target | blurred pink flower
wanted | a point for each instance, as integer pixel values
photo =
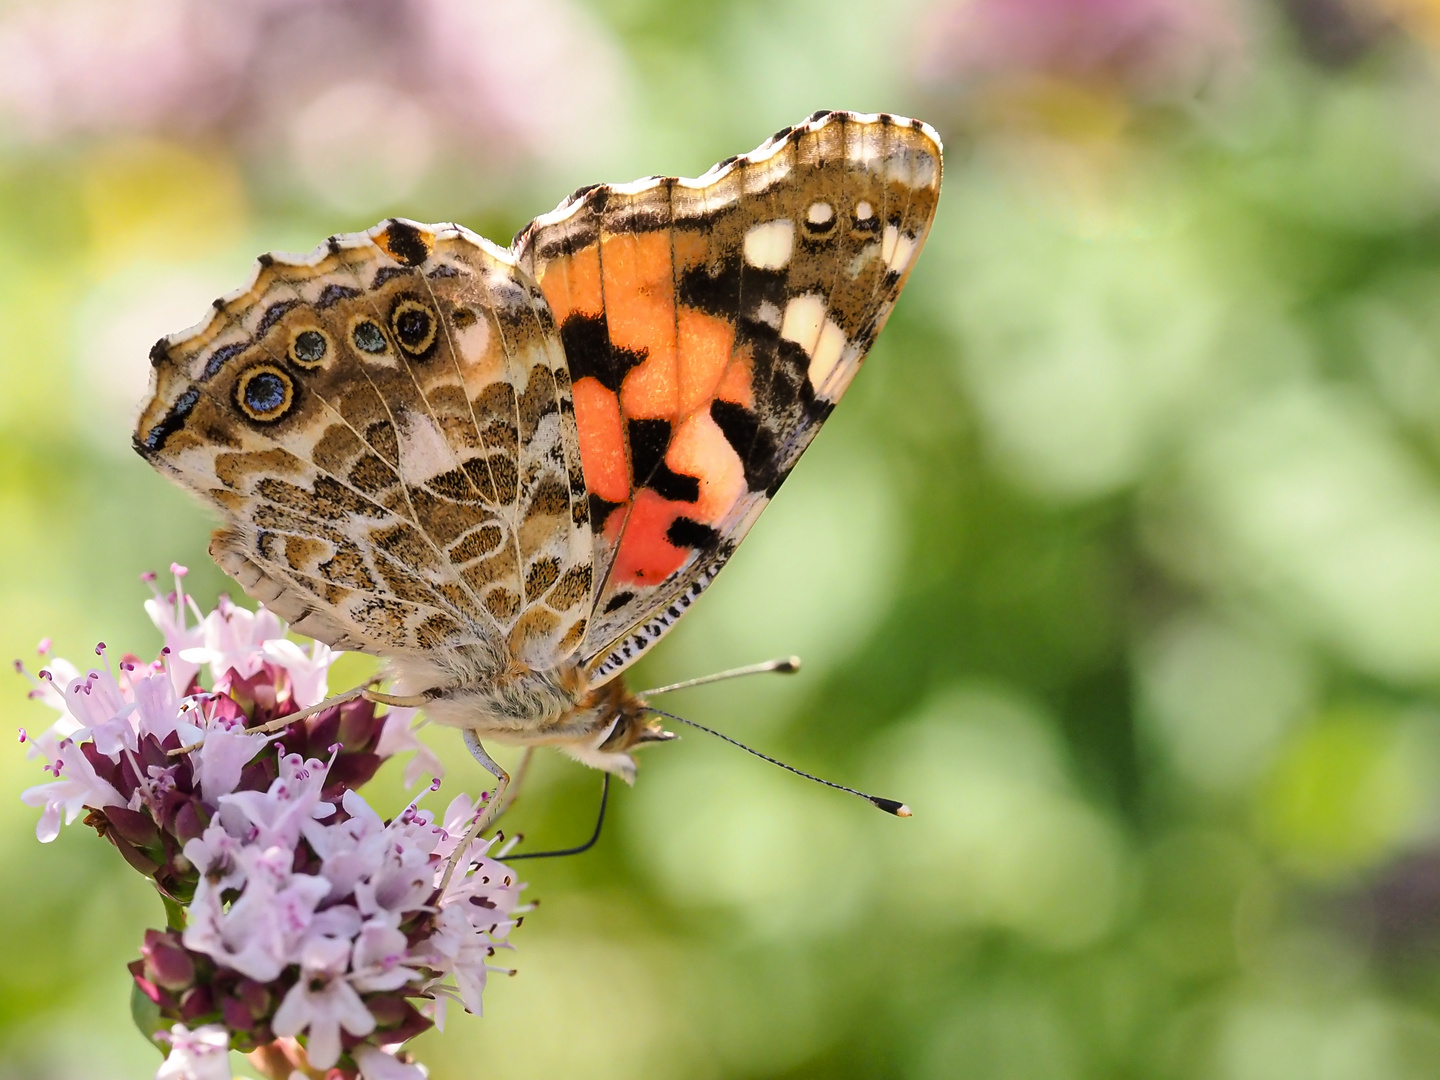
(398, 736)
(375, 1064)
(385, 84)
(202, 1054)
(1147, 48)
(309, 672)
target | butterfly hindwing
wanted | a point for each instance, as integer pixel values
(386, 428)
(710, 326)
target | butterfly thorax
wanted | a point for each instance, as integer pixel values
(511, 702)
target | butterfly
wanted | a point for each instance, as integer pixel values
(509, 472)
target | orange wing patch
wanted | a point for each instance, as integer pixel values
(602, 440)
(646, 369)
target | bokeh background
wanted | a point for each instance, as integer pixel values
(1120, 564)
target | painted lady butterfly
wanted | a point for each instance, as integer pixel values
(509, 472)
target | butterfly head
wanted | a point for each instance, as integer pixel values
(620, 721)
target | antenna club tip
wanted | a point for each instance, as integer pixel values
(891, 806)
(789, 665)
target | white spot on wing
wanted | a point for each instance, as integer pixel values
(769, 314)
(803, 316)
(767, 246)
(912, 167)
(819, 213)
(896, 248)
(473, 341)
(424, 453)
(863, 211)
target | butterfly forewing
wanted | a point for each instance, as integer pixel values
(710, 326)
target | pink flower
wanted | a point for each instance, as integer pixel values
(75, 786)
(398, 736)
(226, 748)
(459, 816)
(388, 868)
(322, 1002)
(202, 1054)
(458, 949)
(157, 703)
(280, 814)
(216, 855)
(99, 704)
(376, 1064)
(378, 962)
(476, 913)
(285, 889)
(308, 674)
(261, 932)
(168, 615)
(234, 639)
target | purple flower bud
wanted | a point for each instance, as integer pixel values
(167, 964)
(148, 576)
(137, 828)
(196, 1003)
(189, 822)
(23, 736)
(178, 570)
(43, 647)
(253, 995)
(237, 1016)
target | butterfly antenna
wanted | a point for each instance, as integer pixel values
(785, 665)
(890, 806)
(587, 845)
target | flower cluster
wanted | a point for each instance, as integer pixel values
(303, 928)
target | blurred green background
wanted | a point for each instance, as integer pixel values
(1120, 564)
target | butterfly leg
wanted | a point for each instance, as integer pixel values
(398, 701)
(394, 700)
(492, 809)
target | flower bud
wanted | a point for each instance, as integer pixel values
(237, 1016)
(167, 963)
(197, 1002)
(254, 996)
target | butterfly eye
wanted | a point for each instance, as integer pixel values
(264, 393)
(308, 348)
(414, 326)
(368, 337)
